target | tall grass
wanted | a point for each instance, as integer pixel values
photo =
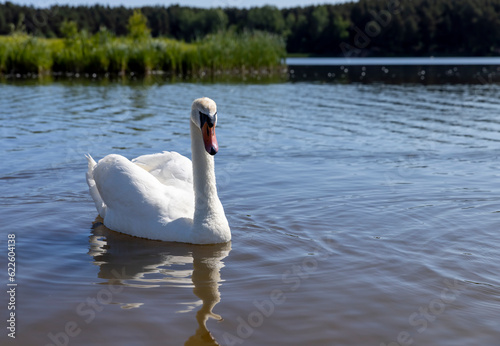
(23, 53)
(105, 53)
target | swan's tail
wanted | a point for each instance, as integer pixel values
(94, 192)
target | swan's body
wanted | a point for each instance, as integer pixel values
(165, 196)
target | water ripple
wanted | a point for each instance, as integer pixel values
(387, 192)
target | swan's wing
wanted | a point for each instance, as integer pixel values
(169, 167)
(138, 203)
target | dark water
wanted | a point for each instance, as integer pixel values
(362, 214)
(404, 61)
(429, 70)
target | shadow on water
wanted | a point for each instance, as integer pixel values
(325, 70)
(229, 77)
(395, 70)
(397, 74)
(135, 262)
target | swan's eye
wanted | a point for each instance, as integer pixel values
(205, 118)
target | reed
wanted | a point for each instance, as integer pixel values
(20, 53)
(105, 53)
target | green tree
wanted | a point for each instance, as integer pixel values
(194, 24)
(4, 28)
(267, 18)
(319, 21)
(20, 28)
(69, 29)
(138, 26)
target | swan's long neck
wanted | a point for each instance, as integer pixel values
(207, 204)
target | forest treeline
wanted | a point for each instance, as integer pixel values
(363, 28)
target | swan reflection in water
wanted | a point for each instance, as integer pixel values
(130, 261)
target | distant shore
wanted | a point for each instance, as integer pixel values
(350, 29)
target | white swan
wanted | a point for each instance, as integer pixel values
(165, 196)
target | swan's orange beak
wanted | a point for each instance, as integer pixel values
(209, 139)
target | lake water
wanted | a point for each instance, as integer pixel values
(423, 70)
(405, 61)
(361, 214)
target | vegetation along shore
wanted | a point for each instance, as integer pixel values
(360, 28)
(183, 40)
(103, 52)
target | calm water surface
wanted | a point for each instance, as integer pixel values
(361, 215)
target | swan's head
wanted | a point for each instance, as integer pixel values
(204, 116)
